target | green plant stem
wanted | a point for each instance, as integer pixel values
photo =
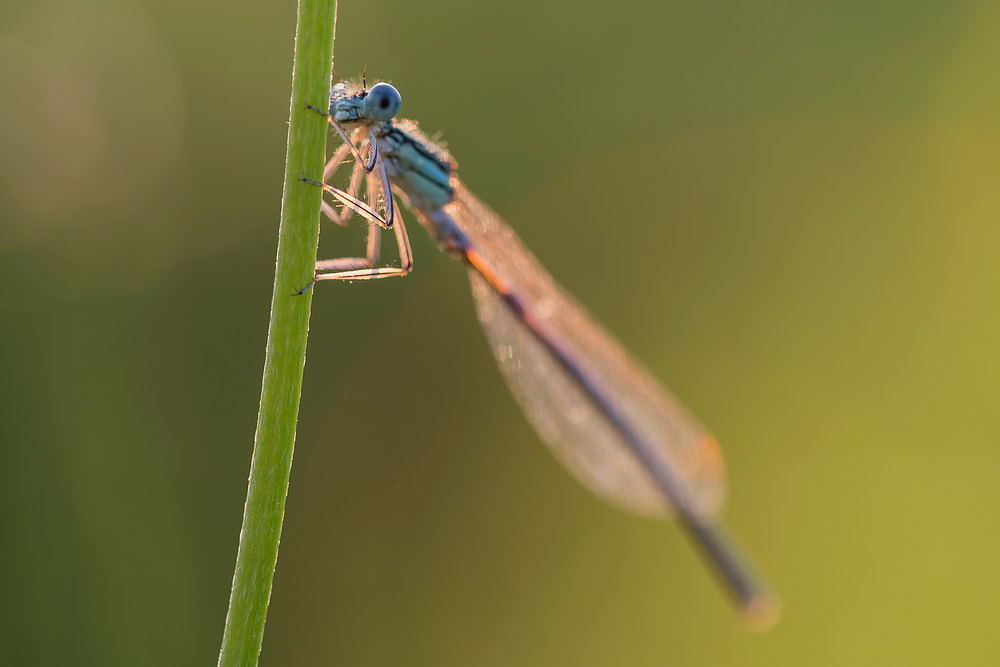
(286, 338)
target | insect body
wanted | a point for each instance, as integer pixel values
(602, 414)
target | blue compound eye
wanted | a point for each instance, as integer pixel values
(382, 102)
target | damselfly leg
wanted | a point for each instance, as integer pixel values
(368, 164)
(353, 189)
(378, 187)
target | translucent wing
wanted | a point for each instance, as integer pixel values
(578, 431)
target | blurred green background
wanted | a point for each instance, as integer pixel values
(788, 210)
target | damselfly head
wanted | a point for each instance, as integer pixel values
(347, 102)
(343, 102)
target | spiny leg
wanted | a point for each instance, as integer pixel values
(338, 156)
(364, 268)
(347, 199)
(374, 235)
(353, 143)
(346, 211)
(374, 238)
(328, 171)
(405, 261)
(386, 185)
(369, 164)
(374, 241)
(354, 189)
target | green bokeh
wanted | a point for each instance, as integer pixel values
(787, 210)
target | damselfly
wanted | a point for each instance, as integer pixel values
(602, 414)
